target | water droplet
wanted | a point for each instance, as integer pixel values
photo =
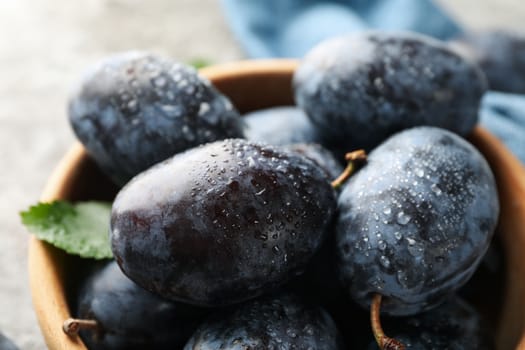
(381, 245)
(260, 192)
(132, 106)
(384, 261)
(171, 111)
(190, 89)
(204, 107)
(415, 249)
(378, 83)
(276, 250)
(436, 189)
(419, 172)
(159, 81)
(403, 218)
(387, 211)
(291, 332)
(262, 236)
(227, 104)
(188, 135)
(402, 278)
(398, 235)
(170, 95)
(308, 329)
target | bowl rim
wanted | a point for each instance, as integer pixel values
(46, 263)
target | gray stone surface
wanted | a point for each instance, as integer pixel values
(45, 45)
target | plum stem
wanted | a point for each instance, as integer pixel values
(353, 158)
(72, 326)
(384, 342)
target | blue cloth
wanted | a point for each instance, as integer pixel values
(289, 28)
(504, 116)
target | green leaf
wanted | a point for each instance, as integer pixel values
(80, 229)
(199, 63)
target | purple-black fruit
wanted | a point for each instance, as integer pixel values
(361, 88)
(129, 317)
(136, 109)
(281, 322)
(280, 126)
(501, 56)
(416, 220)
(452, 325)
(221, 223)
(320, 156)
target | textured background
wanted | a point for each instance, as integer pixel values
(44, 45)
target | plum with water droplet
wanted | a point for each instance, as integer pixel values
(221, 223)
(283, 322)
(280, 126)
(416, 220)
(129, 317)
(319, 155)
(135, 109)
(359, 89)
(452, 325)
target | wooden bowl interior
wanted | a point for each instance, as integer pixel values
(253, 85)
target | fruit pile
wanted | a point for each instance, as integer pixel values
(240, 233)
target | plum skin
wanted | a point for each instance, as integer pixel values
(221, 223)
(415, 222)
(452, 325)
(363, 87)
(129, 317)
(280, 126)
(276, 322)
(135, 109)
(500, 54)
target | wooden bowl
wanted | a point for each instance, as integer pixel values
(253, 85)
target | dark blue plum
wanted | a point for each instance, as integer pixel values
(6, 343)
(453, 325)
(280, 126)
(501, 56)
(135, 109)
(273, 323)
(360, 88)
(320, 156)
(221, 223)
(130, 317)
(416, 220)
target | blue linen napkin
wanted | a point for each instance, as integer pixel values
(289, 28)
